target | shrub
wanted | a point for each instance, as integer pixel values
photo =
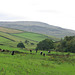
(20, 45)
(45, 44)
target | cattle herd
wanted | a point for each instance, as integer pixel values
(13, 52)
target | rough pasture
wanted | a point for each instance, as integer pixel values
(11, 40)
(8, 30)
(34, 64)
(33, 36)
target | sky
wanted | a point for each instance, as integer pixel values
(54, 12)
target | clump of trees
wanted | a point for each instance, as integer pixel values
(26, 41)
(64, 45)
(45, 45)
(67, 44)
(20, 45)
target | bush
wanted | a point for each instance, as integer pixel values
(20, 45)
(67, 44)
(45, 44)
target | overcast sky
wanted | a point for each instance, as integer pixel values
(55, 12)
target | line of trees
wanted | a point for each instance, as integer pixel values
(67, 44)
(64, 45)
(21, 44)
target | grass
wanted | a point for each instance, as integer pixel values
(7, 40)
(8, 30)
(32, 36)
(11, 37)
(4, 40)
(55, 63)
(33, 64)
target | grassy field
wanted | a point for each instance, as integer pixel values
(8, 30)
(35, 64)
(12, 41)
(11, 37)
(55, 63)
(33, 36)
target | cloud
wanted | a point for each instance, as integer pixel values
(49, 11)
(9, 17)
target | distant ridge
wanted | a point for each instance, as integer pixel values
(39, 27)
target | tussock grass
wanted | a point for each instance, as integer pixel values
(26, 63)
(33, 64)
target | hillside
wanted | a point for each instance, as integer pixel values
(8, 30)
(39, 27)
(24, 62)
(11, 37)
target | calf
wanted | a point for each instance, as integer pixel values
(12, 53)
(30, 51)
(41, 52)
(2, 50)
(48, 51)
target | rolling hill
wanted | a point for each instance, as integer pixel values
(11, 37)
(25, 63)
(39, 27)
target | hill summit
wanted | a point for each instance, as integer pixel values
(39, 27)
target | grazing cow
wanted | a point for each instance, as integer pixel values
(48, 51)
(30, 51)
(41, 52)
(2, 50)
(12, 53)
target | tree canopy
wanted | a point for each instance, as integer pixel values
(45, 44)
(20, 45)
(67, 44)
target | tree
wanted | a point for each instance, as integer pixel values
(67, 44)
(45, 44)
(26, 41)
(20, 45)
(68, 38)
(61, 46)
(71, 46)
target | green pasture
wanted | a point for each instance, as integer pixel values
(9, 30)
(35, 64)
(6, 40)
(11, 37)
(32, 36)
(26, 63)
